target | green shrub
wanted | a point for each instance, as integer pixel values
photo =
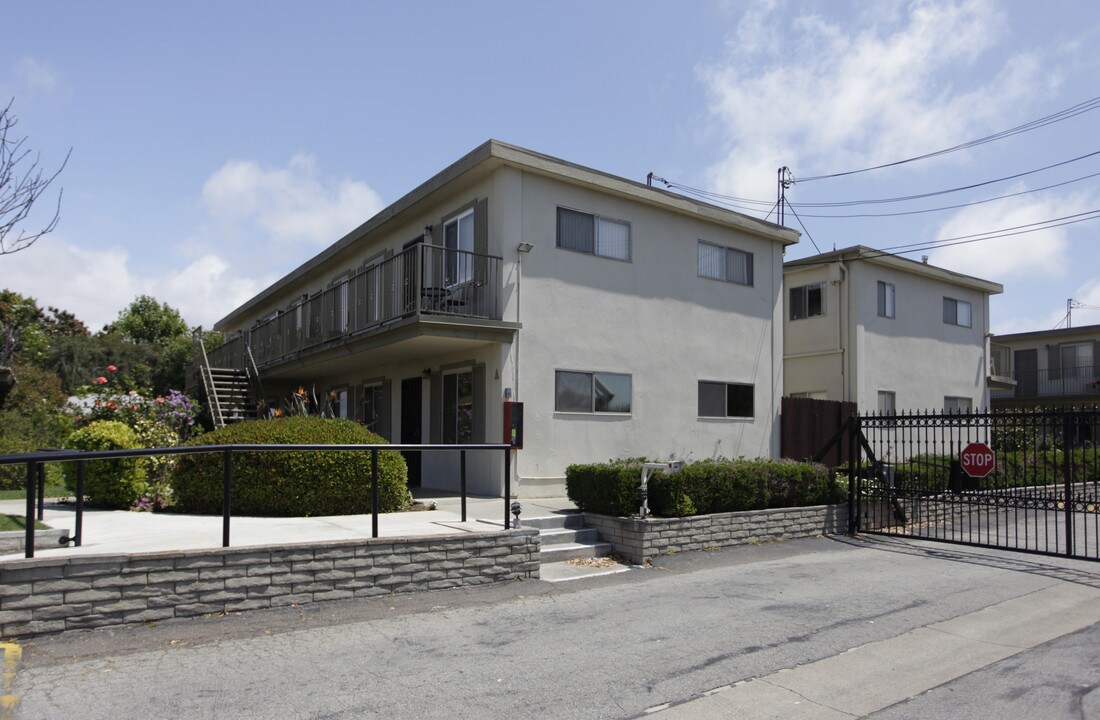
(291, 483)
(607, 488)
(107, 483)
(703, 487)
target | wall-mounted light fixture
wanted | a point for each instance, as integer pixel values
(525, 247)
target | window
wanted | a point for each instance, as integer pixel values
(886, 405)
(719, 399)
(885, 299)
(956, 312)
(593, 234)
(953, 404)
(458, 239)
(723, 263)
(1076, 361)
(372, 406)
(807, 301)
(458, 407)
(591, 392)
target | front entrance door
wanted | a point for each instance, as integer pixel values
(411, 409)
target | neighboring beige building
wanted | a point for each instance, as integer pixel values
(886, 332)
(629, 321)
(1051, 368)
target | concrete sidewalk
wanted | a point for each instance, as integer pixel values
(122, 532)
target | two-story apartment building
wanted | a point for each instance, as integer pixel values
(1051, 368)
(629, 321)
(886, 332)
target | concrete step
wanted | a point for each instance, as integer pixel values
(573, 551)
(566, 536)
(565, 571)
(553, 522)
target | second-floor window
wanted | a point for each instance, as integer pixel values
(807, 301)
(724, 263)
(1071, 361)
(593, 234)
(458, 238)
(885, 299)
(956, 312)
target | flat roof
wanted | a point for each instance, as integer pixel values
(896, 262)
(493, 154)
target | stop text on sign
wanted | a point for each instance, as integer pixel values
(977, 460)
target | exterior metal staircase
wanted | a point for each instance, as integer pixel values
(229, 395)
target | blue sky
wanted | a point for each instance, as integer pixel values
(218, 145)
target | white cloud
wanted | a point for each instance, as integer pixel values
(227, 260)
(37, 76)
(1034, 255)
(289, 206)
(95, 285)
(817, 95)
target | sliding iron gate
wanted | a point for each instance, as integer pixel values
(916, 474)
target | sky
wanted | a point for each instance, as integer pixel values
(217, 145)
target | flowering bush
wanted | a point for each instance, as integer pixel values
(160, 421)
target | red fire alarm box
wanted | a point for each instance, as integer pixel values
(513, 424)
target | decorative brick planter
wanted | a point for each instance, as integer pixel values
(45, 595)
(639, 540)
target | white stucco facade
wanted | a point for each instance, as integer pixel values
(856, 349)
(646, 319)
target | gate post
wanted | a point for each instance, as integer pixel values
(1069, 426)
(854, 500)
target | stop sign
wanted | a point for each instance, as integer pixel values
(977, 460)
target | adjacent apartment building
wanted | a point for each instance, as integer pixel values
(887, 333)
(628, 320)
(1050, 368)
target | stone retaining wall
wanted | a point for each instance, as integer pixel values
(45, 595)
(639, 540)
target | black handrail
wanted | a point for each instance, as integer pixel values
(36, 461)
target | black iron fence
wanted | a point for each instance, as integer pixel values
(421, 280)
(35, 464)
(1019, 480)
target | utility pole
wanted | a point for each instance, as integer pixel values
(1070, 305)
(784, 182)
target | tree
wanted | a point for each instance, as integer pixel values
(22, 183)
(149, 321)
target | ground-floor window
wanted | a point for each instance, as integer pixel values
(953, 404)
(372, 406)
(721, 399)
(589, 392)
(458, 407)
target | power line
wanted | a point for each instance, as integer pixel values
(804, 228)
(993, 234)
(1078, 109)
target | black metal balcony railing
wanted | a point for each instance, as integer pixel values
(422, 280)
(1073, 380)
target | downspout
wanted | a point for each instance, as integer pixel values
(841, 326)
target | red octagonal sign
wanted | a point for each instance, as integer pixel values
(977, 460)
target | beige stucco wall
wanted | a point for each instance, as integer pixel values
(652, 318)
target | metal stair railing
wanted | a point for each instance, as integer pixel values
(255, 384)
(208, 384)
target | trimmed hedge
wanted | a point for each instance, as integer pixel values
(291, 483)
(115, 484)
(703, 487)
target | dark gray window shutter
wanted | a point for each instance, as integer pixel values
(384, 410)
(1054, 362)
(435, 419)
(1095, 372)
(480, 417)
(481, 252)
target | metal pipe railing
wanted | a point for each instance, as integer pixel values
(34, 461)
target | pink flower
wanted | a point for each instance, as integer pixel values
(160, 401)
(112, 368)
(113, 406)
(101, 380)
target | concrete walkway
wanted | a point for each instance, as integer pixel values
(115, 532)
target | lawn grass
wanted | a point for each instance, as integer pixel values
(18, 522)
(52, 490)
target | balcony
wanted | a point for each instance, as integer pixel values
(422, 283)
(1072, 381)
